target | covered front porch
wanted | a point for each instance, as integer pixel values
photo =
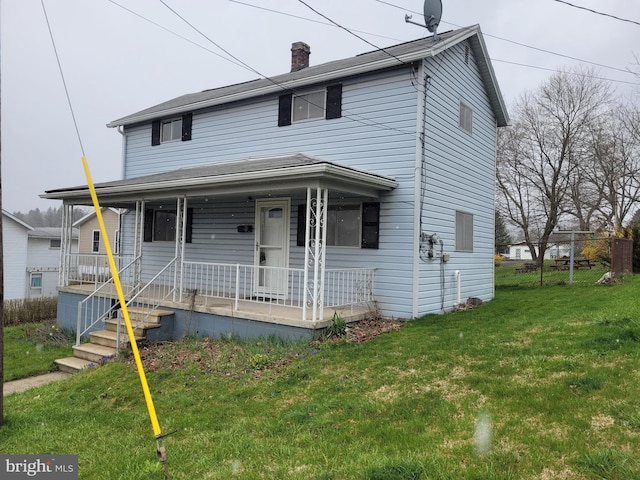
(241, 245)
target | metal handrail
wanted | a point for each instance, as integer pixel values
(104, 308)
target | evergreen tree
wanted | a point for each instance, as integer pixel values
(502, 237)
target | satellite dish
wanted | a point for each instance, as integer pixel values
(432, 15)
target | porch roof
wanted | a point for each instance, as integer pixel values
(283, 173)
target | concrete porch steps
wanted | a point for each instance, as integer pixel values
(102, 343)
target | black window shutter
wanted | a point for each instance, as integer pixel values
(187, 120)
(334, 101)
(302, 224)
(284, 110)
(148, 225)
(188, 236)
(155, 133)
(370, 225)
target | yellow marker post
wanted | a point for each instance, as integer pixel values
(162, 456)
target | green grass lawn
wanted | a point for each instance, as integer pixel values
(31, 348)
(540, 383)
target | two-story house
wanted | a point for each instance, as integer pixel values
(266, 207)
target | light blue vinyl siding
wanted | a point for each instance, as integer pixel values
(376, 133)
(460, 176)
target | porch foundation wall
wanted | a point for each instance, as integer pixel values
(186, 322)
(68, 310)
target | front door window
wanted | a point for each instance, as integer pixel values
(272, 247)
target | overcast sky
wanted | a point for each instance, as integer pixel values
(116, 62)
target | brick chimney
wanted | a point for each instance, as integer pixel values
(300, 52)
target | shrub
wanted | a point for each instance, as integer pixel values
(31, 310)
(498, 259)
(597, 250)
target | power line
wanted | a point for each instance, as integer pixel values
(64, 82)
(247, 66)
(346, 114)
(598, 13)
(550, 52)
(173, 33)
(571, 73)
(286, 14)
(349, 31)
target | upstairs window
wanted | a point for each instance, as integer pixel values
(54, 243)
(171, 129)
(466, 118)
(326, 103)
(308, 106)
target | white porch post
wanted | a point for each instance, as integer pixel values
(66, 241)
(183, 241)
(180, 232)
(314, 255)
(138, 241)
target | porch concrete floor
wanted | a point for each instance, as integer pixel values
(269, 312)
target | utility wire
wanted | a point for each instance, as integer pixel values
(349, 31)
(172, 32)
(514, 42)
(310, 19)
(598, 13)
(570, 73)
(64, 83)
(346, 114)
(247, 66)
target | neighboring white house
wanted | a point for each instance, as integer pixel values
(15, 240)
(265, 207)
(43, 261)
(521, 251)
(31, 258)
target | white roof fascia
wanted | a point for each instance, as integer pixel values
(17, 220)
(301, 172)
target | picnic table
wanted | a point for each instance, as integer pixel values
(578, 264)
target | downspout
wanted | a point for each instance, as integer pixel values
(421, 117)
(120, 130)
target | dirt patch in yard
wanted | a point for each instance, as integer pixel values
(369, 328)
(230, 358)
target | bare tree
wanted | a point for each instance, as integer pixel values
(539, 157)
(615, 168)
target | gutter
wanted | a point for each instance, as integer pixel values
(329, 172)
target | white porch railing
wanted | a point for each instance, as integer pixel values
(92, 268)
(275, 286)
(102, 303)
(211, 282)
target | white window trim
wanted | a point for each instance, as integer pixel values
(465, 118)
(35, 275)
(170, 122)
(467, 238)
(307, 119)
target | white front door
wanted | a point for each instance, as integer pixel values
(272, 247)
